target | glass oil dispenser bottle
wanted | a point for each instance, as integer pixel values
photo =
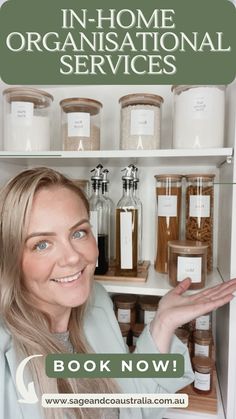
(127, 229)
(99, 216)
(140, 212)
(111, 210)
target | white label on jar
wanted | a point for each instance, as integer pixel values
(142, 122)
(189, 267)
(126, 243)
(22, 110)
(201, 108)
(202, 381)
(94, 225)
(201, 350)
(203, 323)
(199, 206)
(123, 315)
(149, 316)
(167, 206)
(78, 124)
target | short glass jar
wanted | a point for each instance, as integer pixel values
(199, 211)
(125, 308)
(202, 343)
(199, 116)
(148, 305)
(26, 119)
(203, 374)
(80, 124)
(140, 121)
(168, 195)
(201, 323)
(183, 335)
(126, 332)
(187, 259)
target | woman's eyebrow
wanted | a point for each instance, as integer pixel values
(51, 233)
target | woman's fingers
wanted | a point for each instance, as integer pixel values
(218, 290)
(182, 286)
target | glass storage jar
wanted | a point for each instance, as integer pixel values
(80, 124)
(26, 120)
(203, 374)
(125, 308)
(202, 343)
(168, 193)
(137, 329)
(183, 335)
(148, 305)
(126, 332)
(199, 211)
(140, 121)
(199, 116)
(187, 259)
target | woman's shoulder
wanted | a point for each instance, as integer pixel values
(5, 337)
(100, 297)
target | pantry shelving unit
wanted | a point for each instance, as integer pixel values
(220, 161)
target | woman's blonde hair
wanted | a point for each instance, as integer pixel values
(29, 327)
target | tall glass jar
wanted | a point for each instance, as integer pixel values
(140, 121)
(80, 124)
(199, 211)
(168, 193)
(127, 229)
(99, 216)
(26, 121)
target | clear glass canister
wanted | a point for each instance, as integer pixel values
(203, 374)
(26, 121)
(140, 121)
(125, 308)
(202, 343)
(187, 259)
(199, 116)
(80, 124)
(168, 193)
(199, 211)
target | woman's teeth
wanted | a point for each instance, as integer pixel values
(68, 278)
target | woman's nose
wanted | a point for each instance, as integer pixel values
(68, 255)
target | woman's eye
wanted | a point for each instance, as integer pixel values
(43, 245)
(79, 234)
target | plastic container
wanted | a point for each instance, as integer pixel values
(125, 308)
(168, 194)
(199, 116)
(148, 305)
(80, 124)
(26, 119)
(187, 259)
(199, 211)
(202, 343)
(203, 374)
(140, 121)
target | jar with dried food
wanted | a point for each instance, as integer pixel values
(168, 193)
(187, 259)
(26, 121)
(126, 333)
(199, 116)
(125, 308)
(199, 211)
(183, 335)
(148, 305)
(80, 124)
(203, 374)
(202, 343)
(140, 121)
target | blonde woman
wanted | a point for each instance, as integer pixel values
(49, 302)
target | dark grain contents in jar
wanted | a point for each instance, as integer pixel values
(201, 227)
(125, 308)
(120, 271)
(102, 267)
(187, 259)
(168, 227)
(202, 343)
(125, 331)
(203, 374)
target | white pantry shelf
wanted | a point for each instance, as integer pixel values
(193, 157)
(156, 284)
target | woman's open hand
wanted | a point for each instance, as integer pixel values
(175, 309)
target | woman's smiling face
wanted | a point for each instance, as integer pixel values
(60, 251)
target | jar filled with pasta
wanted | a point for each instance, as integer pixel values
(199, 211)
(168, 193)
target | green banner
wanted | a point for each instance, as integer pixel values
(114, 365)
(117, 42)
